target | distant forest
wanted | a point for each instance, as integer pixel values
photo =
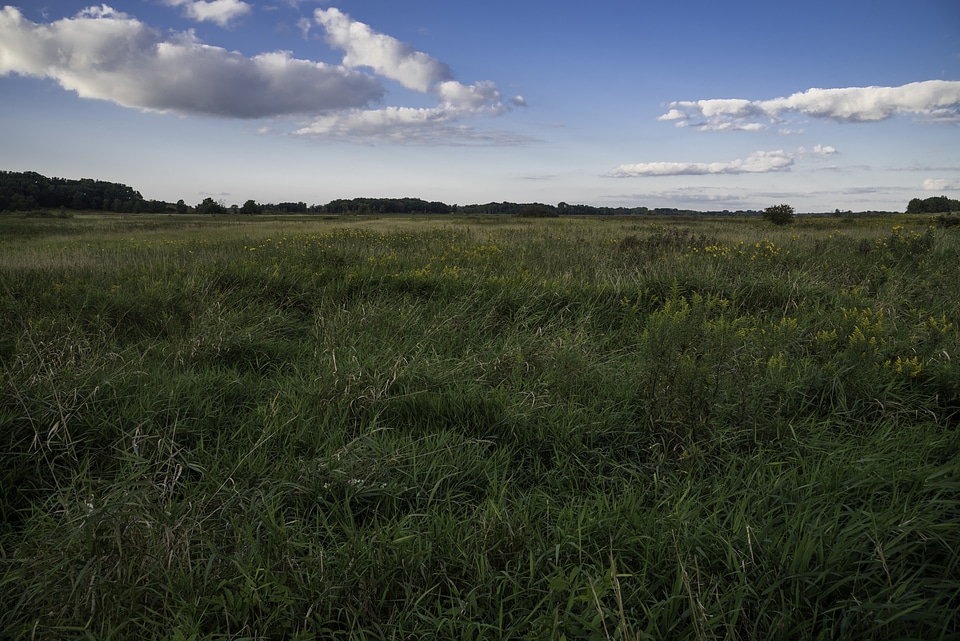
(29, 191)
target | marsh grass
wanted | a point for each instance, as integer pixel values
(479, 428)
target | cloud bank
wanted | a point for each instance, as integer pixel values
(932, 100)
(105, 54)
(759, 162)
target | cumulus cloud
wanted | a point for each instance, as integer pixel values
(758, 162)
(415, 70)
(480, 98)
(221, 12)
(107, 55)
(932, 100)
(941, 184)
(822, 151)
(386, 55)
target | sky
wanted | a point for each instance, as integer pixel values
(823, 105)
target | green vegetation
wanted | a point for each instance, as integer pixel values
(29, 191)
(210, 206)
(779, 214)
(25, 191)
(933, 205)
(384, 206)
(479, 428)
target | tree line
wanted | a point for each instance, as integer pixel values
(26, 191)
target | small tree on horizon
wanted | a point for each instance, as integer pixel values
(251, 207)
(779, 214)
(210, 206)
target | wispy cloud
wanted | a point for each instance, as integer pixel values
(932, 100)
(410, 125)
(221, 12)
(693, 197)
(941, 184)
(759, 162)
(305, 25)
(107, 55)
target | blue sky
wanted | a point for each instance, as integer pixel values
(843, 104)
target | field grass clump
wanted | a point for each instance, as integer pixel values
(299, 428)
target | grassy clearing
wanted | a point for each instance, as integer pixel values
(479, 428)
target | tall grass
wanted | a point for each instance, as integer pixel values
(479, 428)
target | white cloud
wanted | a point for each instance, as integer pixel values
(823, 151)
(480, 98)
(392, 124)
(674, 114)
(409, 125)
(932, 100)
(107, 55)
(103, 11)
(941, 184)
(386, 55)
(304, 25)
(415, 70)
(221, 12)
(295, 4)
(758, 162)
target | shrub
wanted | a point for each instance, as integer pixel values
(779, 214)
(947, 220)
(537, 211)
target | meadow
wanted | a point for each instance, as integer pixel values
(479, 428)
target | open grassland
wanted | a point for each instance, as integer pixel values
(479, 428)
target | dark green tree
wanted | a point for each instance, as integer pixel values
(779, 214)
(181, 207)
(933, 205)
(251, 207)
(536, 210)
(210, 206)
(17, 189)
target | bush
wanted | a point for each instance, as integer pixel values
(947, 220)
(537, 211)
(779, 214)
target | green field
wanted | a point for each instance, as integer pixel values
(479, 428)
